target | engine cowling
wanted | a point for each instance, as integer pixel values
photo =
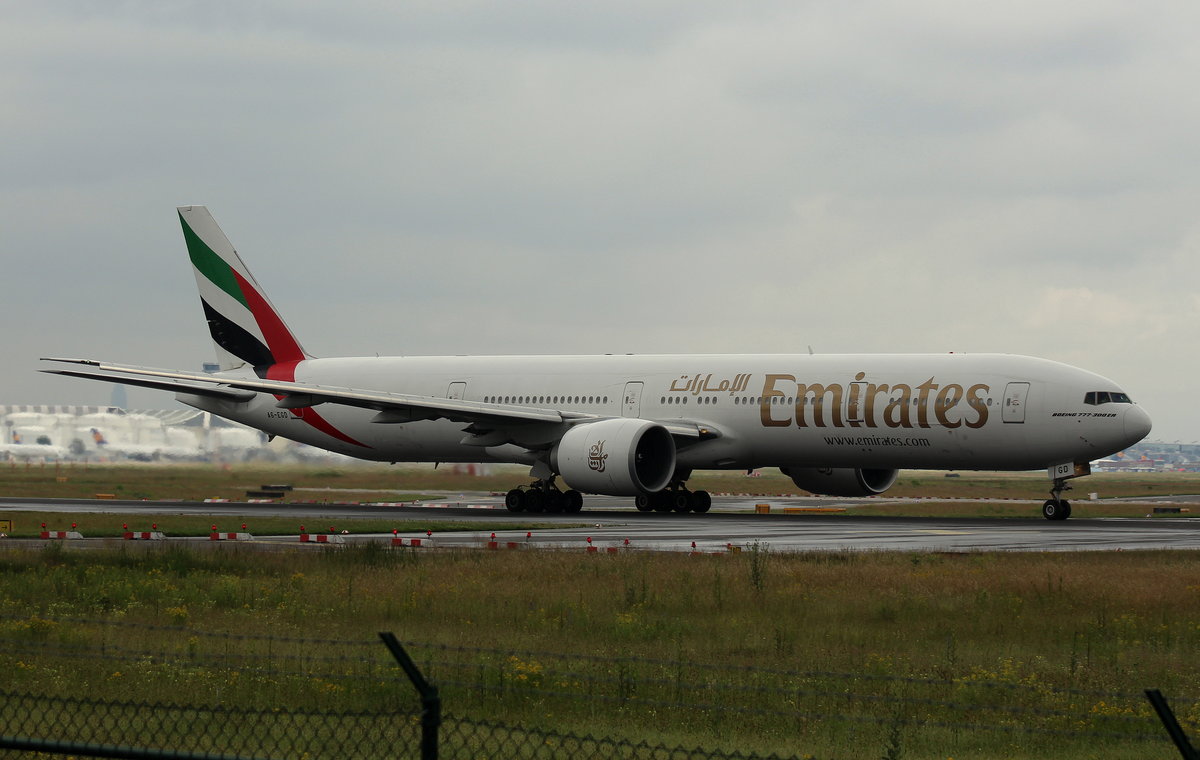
(617, 457)
(842, 481)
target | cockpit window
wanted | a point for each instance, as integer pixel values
(1095, 398)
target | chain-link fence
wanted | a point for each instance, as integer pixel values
(85, 683)
(80, 724)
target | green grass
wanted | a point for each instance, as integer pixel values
(971, 630)
(373, 482)
(28, 524)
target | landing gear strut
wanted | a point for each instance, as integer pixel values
(543, 496)
(1056, 507)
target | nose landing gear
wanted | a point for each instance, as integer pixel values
(1056, 507)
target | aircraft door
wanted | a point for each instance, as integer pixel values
(1014, 402)
(631, 404)
(456, 391)
(855, 402)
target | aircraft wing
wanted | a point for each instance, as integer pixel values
(213, 391)
(391, 407)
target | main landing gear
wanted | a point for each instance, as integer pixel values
(543, 496)
(674, 498)
(1056, 507)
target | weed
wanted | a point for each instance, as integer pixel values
(758, 565)
(894, 748)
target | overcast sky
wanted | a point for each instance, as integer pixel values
(552, 177)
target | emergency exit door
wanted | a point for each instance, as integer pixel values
(631, 404)
(1014, 402)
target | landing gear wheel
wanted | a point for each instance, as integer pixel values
(1056, 509)
(701, 502)
(681, 501)
(642, 502)
(535, 501)
(555, 501)
(661, 501)
(572, 502)
(514, 500)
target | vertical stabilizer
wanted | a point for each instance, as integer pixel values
(245, 327)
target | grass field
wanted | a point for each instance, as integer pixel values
(386, 483)
(1064, 642)
(835, 655)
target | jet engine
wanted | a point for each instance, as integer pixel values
(617, 457)
(841, 481)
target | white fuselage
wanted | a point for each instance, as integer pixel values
(937, 411)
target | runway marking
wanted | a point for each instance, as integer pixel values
(940, 532)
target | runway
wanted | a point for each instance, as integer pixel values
(732, 525)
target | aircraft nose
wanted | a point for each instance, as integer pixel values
(1137, 424)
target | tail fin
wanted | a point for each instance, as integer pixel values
(245, 327)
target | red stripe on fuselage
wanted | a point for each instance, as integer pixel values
(286, 372)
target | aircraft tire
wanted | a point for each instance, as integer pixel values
(643, 503)
(702, 502)
(573, 502)
(1056, 509)
(682, 501)
(555, 501)
(514, 500)
(535, 501)
(661, 501)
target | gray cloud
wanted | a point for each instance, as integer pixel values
(541, 177)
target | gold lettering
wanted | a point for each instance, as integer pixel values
(819, 391)
(873, 391)
(853, 410)
(768, 393)
(925, 388)
(975, 400)
(901, 403)
(948, 398)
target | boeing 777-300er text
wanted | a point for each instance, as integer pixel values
(639, 426)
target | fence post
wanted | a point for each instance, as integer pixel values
(1172, 725)
(431, 703)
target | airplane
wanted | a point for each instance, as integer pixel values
(639, 425)
(17, 448)
(142, 452)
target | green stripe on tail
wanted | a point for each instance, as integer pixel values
(210, 264)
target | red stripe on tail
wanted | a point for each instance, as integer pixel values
(280, 341)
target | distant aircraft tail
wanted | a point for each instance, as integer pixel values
(245, 327)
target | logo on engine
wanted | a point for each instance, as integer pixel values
(597, 457)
